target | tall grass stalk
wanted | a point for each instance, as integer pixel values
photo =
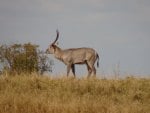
(42, 94)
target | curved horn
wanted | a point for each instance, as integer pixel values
(56, 37)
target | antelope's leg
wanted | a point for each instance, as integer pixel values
(68, 69)
(89, 70)
(73, 69)
(94, 71)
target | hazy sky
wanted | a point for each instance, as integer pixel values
(119, 30)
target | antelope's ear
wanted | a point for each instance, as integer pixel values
(54, 47)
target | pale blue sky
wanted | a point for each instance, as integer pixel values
(119, 30)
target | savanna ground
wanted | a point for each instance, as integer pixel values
(42, 94)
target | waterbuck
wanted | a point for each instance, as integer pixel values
(73, 56)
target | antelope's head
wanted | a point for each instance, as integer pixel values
(52, 48)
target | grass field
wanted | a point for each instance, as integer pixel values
(41, 94)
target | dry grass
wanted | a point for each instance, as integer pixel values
(40, 94)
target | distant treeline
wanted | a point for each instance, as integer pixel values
(26, 58)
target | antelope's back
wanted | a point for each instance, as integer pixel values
(80, 54)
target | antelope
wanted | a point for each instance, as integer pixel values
(73, 56)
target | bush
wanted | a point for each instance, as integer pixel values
(24, 58)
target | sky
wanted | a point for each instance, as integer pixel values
(119, 30)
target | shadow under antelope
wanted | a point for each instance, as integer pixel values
(73, 56)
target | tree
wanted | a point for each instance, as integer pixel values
(26, 58)
(44, 63)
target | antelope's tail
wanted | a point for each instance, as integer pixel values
(97, 56)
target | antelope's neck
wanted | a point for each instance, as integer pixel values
(58, 53)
